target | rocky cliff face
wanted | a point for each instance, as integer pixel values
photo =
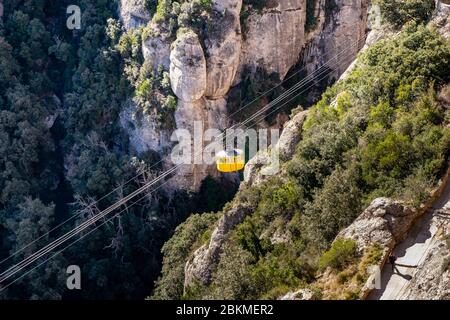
(133, 13)
(441, 18)
(385, 222)
(257, 168)
(419, 242)
(274, 39)
(188, 68)
(342, 35)
(202, 263)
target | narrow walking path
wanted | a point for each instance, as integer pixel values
(411, 252)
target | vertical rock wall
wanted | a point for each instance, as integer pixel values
(275, 38)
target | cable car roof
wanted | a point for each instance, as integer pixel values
(232, 153)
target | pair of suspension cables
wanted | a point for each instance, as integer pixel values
(295, 91)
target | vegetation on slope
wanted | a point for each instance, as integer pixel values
(398, 12)
(380, 132)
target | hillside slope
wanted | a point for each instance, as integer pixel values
(380, 132)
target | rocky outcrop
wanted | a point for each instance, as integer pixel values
(203, 114)
(223, 49)
(201, 265)
(254, 168)
(411, 235)
(143, 132)
(133, 13)
(260, 165)
(441, 18)
(156, 47)
(274, 37)
(188, 68)
(346, 35)
(377, 31)
(302, 294)
(385, 222)
(342, 36)
(291, 136)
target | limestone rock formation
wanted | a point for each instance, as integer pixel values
(143, 133)
(223, 49)
(432, 280)
(291, 136)
(441, 18)
(156, 48)
(133, 13)
(342, 36)
(253, 172)
(275, 37)
(347, 32)
(204, 67)
(257, 168)
(302, 294)
(385, 222)
(201, 265)
(188, 68)
(202, 114)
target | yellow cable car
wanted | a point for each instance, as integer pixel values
(230, 161)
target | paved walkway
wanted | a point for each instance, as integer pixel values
(411, 253)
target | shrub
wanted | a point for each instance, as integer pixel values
(233, 277)
(163, 10)
(249, 240)
(334, 207)
(417, 187)
(398, 12)
(341, 254)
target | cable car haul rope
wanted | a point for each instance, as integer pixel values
(226, 161)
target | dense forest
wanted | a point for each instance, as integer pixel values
(62, 150)
(381, 132)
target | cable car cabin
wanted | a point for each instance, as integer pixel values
(230, 161)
